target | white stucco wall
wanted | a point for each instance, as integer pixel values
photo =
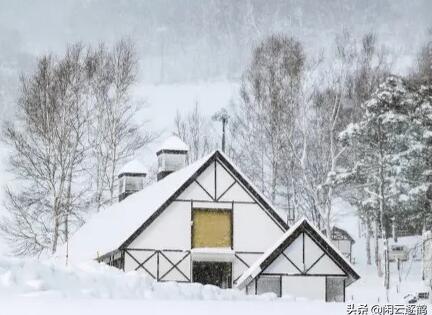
(170, 230)
(254, 230)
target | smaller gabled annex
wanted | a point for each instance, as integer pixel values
(302, 263)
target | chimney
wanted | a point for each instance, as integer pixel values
(131, 179)
(172, 156)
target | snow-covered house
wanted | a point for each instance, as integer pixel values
(205, 223)
(343, 241)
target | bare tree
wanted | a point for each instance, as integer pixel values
(114, 136)
(47, 150)
(290, 113)
(75, 124)
(266, 114)
(423, 69)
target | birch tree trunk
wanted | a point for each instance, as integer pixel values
(383, 215)
(368, 240)
(377, 251)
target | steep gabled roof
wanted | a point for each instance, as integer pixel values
(337, 230)
(344, 233)
(303, 225)
(117, 226)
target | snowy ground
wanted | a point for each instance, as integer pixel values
(114, 307)
(32, 287)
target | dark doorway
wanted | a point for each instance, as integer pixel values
(215, 273)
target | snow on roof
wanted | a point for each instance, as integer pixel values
(107, 230)
(343, 232)
(133, 166)
(173, 143)
(255, 269)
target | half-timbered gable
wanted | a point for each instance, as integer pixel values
(217, 209)
(302, 256)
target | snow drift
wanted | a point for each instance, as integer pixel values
(29, 277)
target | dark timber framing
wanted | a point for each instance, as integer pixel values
(205, 190)
(216, 157)
(174, 265)
(160, 254)
(237, 256)
(326, 291)
(306, 228)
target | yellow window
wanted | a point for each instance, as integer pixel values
(211, 228)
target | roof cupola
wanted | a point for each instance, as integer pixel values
(172, 156)
(131, 179)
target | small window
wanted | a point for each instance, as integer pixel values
(398, 248)
(335, 290)
(211, 228)
(269, 284)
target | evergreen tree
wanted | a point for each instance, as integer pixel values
(389, 137)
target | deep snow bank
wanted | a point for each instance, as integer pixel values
(30, 277)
